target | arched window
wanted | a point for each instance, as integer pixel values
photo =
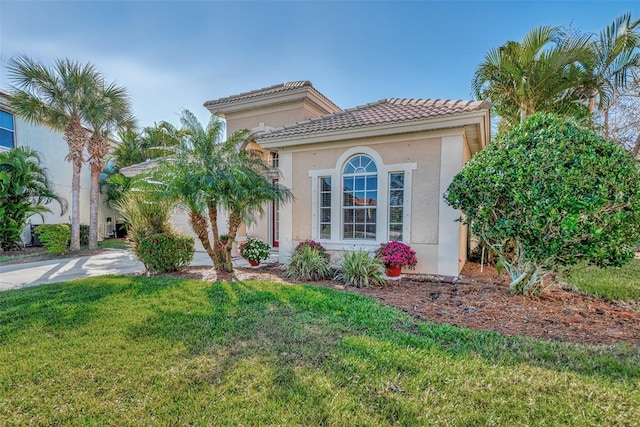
(359, 198)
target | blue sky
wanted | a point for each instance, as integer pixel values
(172, 55)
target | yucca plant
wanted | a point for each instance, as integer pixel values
(359, 268)
(308, 263)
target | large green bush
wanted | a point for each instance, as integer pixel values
(166, 252)
(54, 237)
(550, 193)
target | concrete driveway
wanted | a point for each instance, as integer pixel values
(115, 261)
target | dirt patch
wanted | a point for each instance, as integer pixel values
(481, 301)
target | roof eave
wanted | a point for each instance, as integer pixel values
(258, 101)
(479, 118)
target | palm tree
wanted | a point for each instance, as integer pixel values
(614, 63)
(538, 74)
(207, 174)
(57, 97)
(108, 111)
(26, 191)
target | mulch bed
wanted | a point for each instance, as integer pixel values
(482, 301)
(477, 300)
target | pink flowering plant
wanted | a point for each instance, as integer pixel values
(312, 244)
(397, 254)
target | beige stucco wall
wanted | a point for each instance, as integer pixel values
(437, 245)
(272, 116)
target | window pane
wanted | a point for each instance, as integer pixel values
(397, 180)
(325, 200)
(396, 205)
(348, 215)
(395, 232)
(395, 215)
(6, 138)
(371, 198)
(325, 215)
(372, 182)
(6, 120)
(359, 197)
(325, 184)
(348, 231)
(325, 231)
(396, 198)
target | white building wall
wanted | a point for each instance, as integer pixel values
(53, 149)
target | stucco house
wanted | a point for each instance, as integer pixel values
(15, 132)
(365, 175)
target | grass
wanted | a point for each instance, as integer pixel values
(612, 283)
(125, 350)
(104, 244)
(113, 244)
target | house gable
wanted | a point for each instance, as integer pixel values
(272, 107)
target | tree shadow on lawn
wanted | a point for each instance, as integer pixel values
(307, 324)
(66, 305)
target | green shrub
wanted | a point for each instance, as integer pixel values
(308, 263)
(166, 252)
(84, 234)
(549, 194)
(54, 237)
(359, 268)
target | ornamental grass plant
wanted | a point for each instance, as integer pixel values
(308, 263)
(359, 269)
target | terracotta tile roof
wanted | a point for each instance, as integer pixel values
(271, 90)
(391, 110)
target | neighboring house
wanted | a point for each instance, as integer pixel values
(15, 132)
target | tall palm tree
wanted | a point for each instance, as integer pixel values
(109, 111)
(26, 191)
(538, 74)
(614, 63)
(57, 97)
(207, 174)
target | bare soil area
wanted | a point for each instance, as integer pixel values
(481, 301)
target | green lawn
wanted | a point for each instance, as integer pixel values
(613, 283)
(157, 351)
(113, 244)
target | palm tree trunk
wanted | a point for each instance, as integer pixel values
(222, 259)
(76, 137)
(97, 150)
(94, 205)
(75, 206)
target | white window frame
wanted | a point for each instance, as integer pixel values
(382, 226)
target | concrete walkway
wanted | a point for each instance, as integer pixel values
(115, 261)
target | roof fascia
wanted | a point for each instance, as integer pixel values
(297, 94)
(458, 120)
